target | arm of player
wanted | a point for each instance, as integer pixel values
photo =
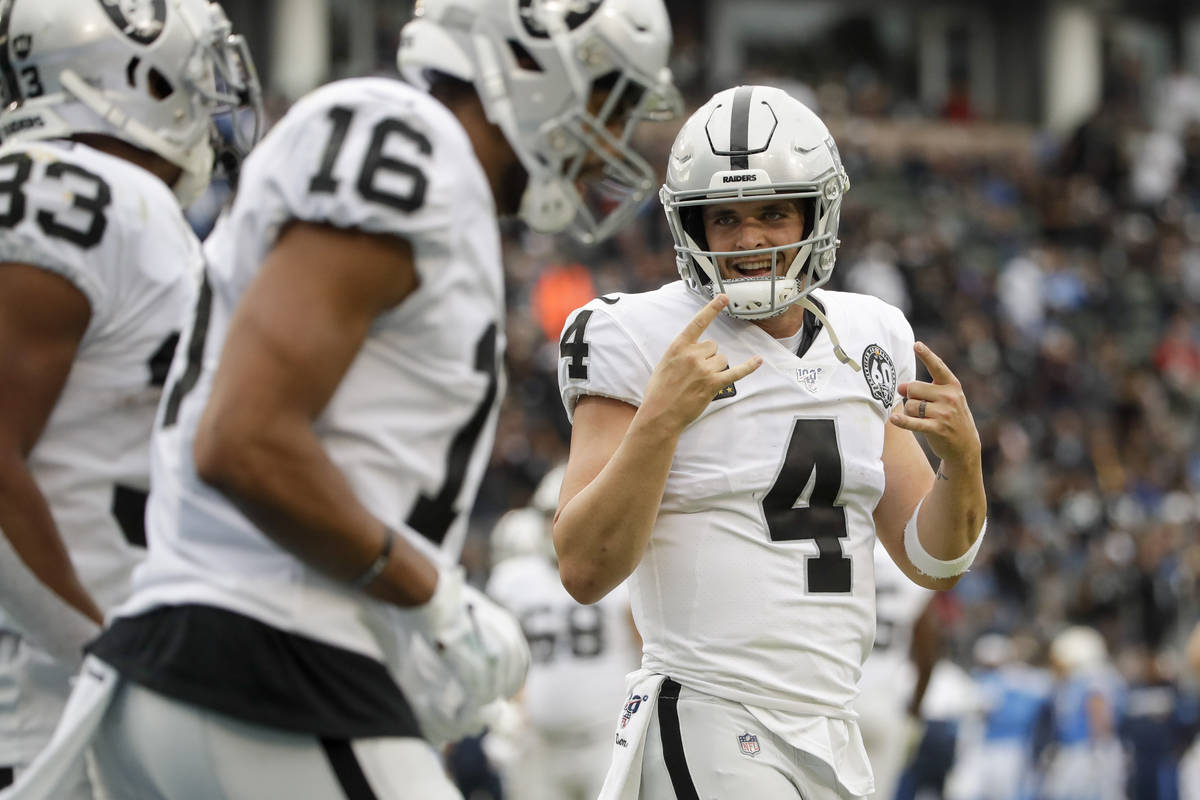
(43, 318)
(620, 458)
(953, 506)
(924, 654)
(293, 336)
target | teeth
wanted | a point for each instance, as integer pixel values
(751, 267)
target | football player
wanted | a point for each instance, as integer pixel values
(896, 674)
(108, 129)
(301, 627)
(581, 653)
(739, 440)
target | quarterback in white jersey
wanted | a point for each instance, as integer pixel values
(98, 272)
(739, 482)
(331, 414)
(896, 673)
(581, 654)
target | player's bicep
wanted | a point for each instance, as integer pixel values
(43, 318)
(598, 428)
(301, 322)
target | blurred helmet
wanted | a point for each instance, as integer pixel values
(152, 73)
(993, 650)
(535, 65)
(1078, 648)
(748, 143)
(545, 496)
(521, 532)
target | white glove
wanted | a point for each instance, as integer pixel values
(437, 697)
(478, 641)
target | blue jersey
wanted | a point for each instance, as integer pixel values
(1017, 696)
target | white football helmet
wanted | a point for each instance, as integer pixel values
(535, 64)
(545, 496)
(743, 144)
(521, 532)
(1078, 649)
(152, 73)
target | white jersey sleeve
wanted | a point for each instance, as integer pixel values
(376, 170)
(84, 215)
(599, 356)
(902, 341)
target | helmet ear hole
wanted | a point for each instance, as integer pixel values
(525, 59)
(160, 87)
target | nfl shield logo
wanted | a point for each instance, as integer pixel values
(749, 744)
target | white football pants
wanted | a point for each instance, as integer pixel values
(151, 747)
(696, 750)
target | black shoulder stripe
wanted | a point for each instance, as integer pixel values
(739, 129)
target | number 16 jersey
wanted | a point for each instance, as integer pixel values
(757, 583)
(412, 420)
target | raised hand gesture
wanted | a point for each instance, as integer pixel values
(691, 372)
(938, 409)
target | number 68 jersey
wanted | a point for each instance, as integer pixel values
(757, 583)
(411, 423)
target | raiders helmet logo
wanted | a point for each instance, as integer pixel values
(140, 20)
(880, 373)
(532, 15)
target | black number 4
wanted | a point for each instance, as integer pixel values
(803, 503)
(574, 347)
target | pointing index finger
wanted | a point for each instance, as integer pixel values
(937, 368)
(692, 331)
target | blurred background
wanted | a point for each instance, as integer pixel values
(1026, 187)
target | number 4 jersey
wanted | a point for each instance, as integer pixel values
(757, 584)
(84, 215)
(411, 423)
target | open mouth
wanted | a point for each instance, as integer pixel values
(758, 268)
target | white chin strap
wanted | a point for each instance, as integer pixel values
(196, 162)
(806, 303)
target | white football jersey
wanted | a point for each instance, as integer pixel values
(85, 215)
(411, 423)
(756, 585)
(581, 654)
(889, 675)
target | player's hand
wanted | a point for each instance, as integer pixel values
(437, 697)
(938, 409)
(691, 372)
(478, 641)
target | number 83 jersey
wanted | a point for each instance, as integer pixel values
(757, 583)
(85, 215)
(412, 420)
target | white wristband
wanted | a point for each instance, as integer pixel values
(935, 567)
